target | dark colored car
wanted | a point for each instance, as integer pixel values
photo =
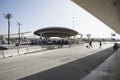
(3, 48)
(115, 46)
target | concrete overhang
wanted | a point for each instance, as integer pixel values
(56, 32)
(108, 11)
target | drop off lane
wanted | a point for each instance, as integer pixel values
(60, 64)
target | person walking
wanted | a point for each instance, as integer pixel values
(100, 44)
(90, 44)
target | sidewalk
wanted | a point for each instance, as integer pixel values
(108, 70)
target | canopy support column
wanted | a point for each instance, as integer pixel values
(40, 38)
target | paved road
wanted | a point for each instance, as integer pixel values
(60, 64)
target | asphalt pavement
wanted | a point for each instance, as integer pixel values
(71, 63)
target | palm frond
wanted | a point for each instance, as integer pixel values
(8, 16)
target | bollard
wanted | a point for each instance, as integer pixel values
(18, 51)
(3, 53)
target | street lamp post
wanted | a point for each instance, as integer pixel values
(73, 25)
(73, 22)
(19, 24)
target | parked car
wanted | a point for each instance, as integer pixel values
(3, 48)
(115, 46)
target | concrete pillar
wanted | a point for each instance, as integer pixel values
(81, 36)
(41, 38)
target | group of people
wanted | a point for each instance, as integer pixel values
(115, 46)
(90, 44)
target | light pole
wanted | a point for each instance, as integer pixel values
(73, 22)
(19, 24)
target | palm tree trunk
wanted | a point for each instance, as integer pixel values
(8, 32)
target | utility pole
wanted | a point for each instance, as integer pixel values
(19, 24)
(73, 22)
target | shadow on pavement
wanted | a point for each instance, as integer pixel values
(74, 70)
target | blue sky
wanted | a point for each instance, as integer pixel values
(36, 14)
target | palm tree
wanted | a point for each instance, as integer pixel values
(8, 16)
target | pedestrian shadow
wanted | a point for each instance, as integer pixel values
(74, 70)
